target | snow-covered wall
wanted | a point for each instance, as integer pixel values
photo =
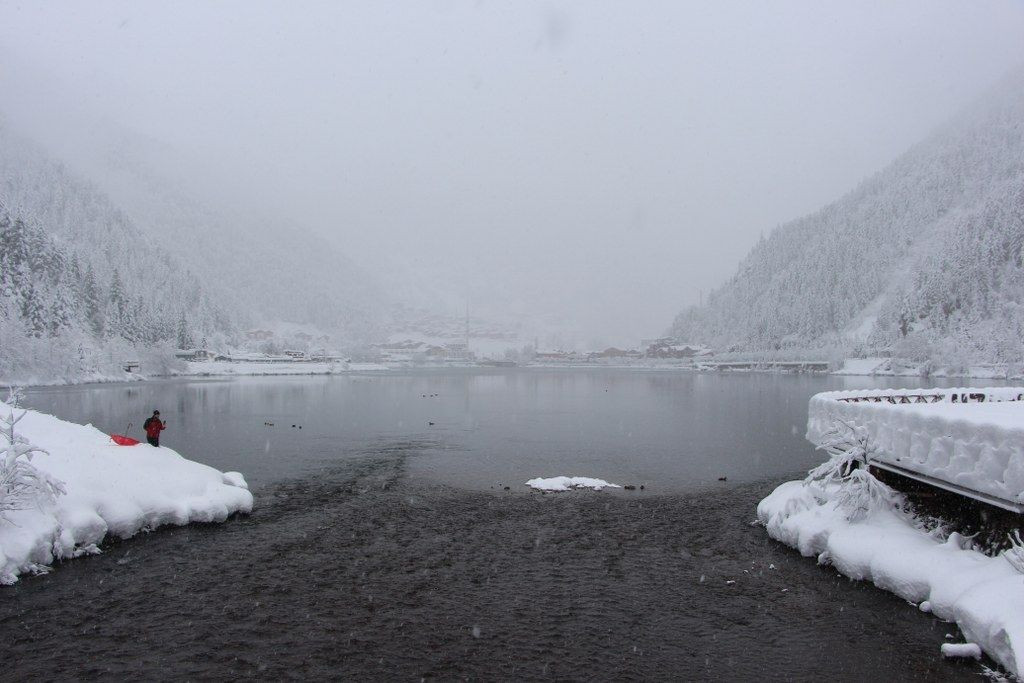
(970, 437)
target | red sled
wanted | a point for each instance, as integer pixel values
(122, 440)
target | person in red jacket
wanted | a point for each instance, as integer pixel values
(153, 427)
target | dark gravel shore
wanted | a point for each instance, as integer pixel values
(364, 574)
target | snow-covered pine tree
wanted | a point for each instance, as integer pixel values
(93, 311)
(184, 337)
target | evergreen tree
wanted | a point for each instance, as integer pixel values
(33, 313)
(184, 337)
(117, 295)
(91, 295)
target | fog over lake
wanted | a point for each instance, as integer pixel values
(582, 170)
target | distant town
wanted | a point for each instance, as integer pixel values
(413, 352)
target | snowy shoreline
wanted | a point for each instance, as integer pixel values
(967, 440)
(305, 368)
(204, 369)
(98, 378)
(256, 369)
(109, 489)
(983, 595)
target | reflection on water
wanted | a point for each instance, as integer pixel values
(669, 430)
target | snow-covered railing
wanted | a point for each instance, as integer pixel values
(966, 440)
(932, 396)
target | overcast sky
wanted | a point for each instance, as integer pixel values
(598, 163)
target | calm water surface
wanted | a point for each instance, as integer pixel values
(671, 431)
(384, 547)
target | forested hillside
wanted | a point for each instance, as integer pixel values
(59, 319)
(81, 219)
(94, 275)
(922, 260)
(263, 265)
(83, 289)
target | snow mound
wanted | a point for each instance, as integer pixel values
(862, 366)
(970, 437)
(969, 650)
(983, 595)
(235, 479)
(251, 368)
(566, 483)
(118, 490)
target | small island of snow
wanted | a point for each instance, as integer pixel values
(566, 483)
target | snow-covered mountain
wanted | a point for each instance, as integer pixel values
(266, 267)
(82, 288)
(82, 221)
(92, 275)
(924, 259)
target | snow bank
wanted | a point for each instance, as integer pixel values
(248, 368)
(890, 367)
(69, 379)
(862, 366)
(970, 650)
(983, 595)
(367, 367)
(942, 433)
(566, 483)
(220, 368)
(110, 489)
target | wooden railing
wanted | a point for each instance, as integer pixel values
(973, 397)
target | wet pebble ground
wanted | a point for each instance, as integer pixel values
(364, 574)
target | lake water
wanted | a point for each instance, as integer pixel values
(384, 546)
(671, 431)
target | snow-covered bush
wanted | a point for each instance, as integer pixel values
(847, 446)
(855, 489)
(22, 485)
(860, 493)
(1015, 553)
